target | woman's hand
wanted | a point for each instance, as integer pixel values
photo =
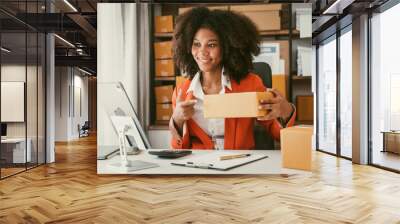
(183, 111)
(277, 107)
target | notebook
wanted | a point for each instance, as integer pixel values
(212, 160)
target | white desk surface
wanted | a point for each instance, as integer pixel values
(268, 166)
(13, 140)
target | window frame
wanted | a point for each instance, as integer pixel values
(347, 27)
(378, 10)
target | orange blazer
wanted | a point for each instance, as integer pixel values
(238, 131)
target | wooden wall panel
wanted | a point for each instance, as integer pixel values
(93, 104)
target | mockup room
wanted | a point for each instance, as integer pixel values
(286, 54)
(194, 112)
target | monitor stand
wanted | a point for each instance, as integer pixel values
(134, 165)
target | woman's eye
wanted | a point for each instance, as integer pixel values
(196, 44)
(212, 45)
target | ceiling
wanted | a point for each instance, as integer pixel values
(332, 15)
(75, 23)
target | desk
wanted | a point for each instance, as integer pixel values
(391, 141)
(270, 165)
(17, 150)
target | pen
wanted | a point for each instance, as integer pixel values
(234, 156)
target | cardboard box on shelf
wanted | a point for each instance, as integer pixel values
(163, 50)
(179, 80)
(265, 16)
(163, 111)
(265, 20)
(279, 83)
(185, 9)
(258, 7)
(296, 147)
(305, 108)
(164, 24)
(165, 68)
(234, 104)
(164, 93)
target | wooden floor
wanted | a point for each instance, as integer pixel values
(70, 191)
(10, 171)
(387, 159)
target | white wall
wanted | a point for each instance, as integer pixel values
(61, 103)
(160, 139)
(116, 60)
(79, 117)
(67, 115)
(33, 126)
(12, 73)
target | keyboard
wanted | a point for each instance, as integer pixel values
(170, 153)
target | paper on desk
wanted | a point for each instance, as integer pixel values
(212, 160)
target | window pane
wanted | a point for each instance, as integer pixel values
(31, 100)
(385, 86)
(327, 97)
(346, 94)
(15, 150)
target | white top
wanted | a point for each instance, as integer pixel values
(214, 127)
(267, 166)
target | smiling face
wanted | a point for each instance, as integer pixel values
(206, 50)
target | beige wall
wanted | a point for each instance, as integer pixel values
(34, 125)
(17, 73)
(116, 60)
(71, 102)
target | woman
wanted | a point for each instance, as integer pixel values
(214, 49)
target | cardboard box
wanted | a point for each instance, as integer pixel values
(164, 93)
(163, 111)
(165, 68)
(305, 108)
(185, 9)
(164, 24)
(279, 82)
(234, 104)
(265, 16)
(179, 80)
(163, 50)
(296, 147)
(258, 7)
(265, 20)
